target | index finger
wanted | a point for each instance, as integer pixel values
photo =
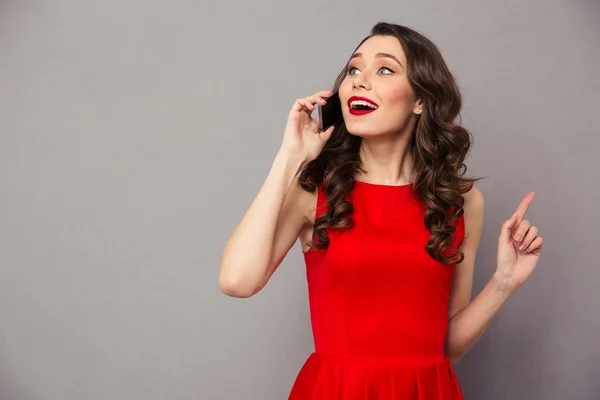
(522, 208)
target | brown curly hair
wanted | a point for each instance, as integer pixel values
(438, 146)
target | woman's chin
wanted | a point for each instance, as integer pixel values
(363, 133)
(357, 130)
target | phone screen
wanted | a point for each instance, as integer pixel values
(331, 112)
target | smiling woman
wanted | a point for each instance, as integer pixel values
(389, 226)
(408, 105)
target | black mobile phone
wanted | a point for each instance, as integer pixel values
(331, 112)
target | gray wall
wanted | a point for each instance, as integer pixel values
(134, 135)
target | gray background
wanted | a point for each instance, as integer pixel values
(134, 135)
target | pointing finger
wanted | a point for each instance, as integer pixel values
(525, 203)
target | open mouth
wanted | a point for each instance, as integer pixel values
(361, 105)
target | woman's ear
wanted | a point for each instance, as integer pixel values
(418, 108)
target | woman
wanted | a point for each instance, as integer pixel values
(389, 227)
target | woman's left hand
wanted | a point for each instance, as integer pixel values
(519, 248)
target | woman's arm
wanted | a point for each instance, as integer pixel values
(468, 320)
(267, 231)
(519, 249)
(467, 326)
(277, 215)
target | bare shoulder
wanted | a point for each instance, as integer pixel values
(462, 284)
(473, 199)
(473, 210)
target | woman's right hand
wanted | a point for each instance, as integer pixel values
(301, 136)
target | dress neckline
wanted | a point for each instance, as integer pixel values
(406, 185)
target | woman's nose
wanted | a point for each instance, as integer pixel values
(361, 82)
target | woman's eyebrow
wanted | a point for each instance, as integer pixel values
(378, 55)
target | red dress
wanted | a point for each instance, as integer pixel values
(378, 305)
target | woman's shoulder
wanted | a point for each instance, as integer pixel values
(473, 211)
(473, 199)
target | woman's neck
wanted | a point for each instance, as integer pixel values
(386, 161)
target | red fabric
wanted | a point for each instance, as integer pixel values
(378, 305)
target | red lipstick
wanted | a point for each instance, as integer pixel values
(362, 111)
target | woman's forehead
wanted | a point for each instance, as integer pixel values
(380, 44)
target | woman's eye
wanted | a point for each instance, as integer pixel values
(390, 71)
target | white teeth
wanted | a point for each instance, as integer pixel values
(357, 103)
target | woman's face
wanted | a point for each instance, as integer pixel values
(377, 79)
